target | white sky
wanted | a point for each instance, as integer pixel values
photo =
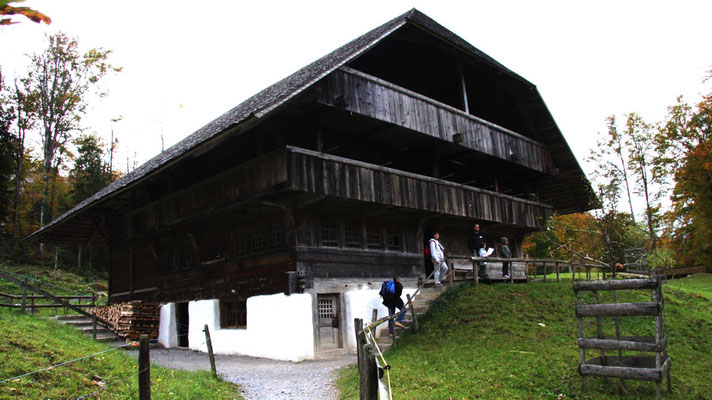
(185, 63)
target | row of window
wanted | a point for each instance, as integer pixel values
(356, 236)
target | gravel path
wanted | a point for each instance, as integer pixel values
(261, 378)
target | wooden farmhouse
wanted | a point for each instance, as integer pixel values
(276, 223)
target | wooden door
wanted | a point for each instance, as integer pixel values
(328, 315)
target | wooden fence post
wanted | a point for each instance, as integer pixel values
(93, 325)
(558, 272)
(374, 315)
(24, 297)
(476, 271)
(209, 343)
(358, 327)
(144, 369)
(412, 313)
(370, 391)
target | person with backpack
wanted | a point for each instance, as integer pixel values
(391, 292)
(437, 253)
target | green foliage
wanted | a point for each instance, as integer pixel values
(7, 162)
(662, 257)
(88, 175)
(486, 342)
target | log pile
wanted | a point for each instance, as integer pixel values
(132, 319)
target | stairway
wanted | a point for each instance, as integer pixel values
(427, 295)
(83, 324)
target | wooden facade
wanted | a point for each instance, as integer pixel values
(338, 172)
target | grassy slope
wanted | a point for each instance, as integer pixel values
(485, 342)
(31, 343)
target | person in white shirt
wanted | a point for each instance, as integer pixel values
(437, 252)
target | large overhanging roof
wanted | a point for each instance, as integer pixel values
(271, 98)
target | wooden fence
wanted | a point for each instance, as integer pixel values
(521, 269)
(33, 302)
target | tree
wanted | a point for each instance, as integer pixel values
(33, 15)
(684, 146)
(7, 161)
(639, 139)
(89, 173)
(57, 87)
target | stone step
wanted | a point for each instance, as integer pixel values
(99, 329)
(77, 322)
(69, 317)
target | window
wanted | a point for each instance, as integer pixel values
(328, 234)
(275, 234)
(352, 236)
(258, 238)
(393, 240)
(373, 238)
(177, 257)
(233, 313)
(242, 242)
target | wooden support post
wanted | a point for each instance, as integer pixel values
(93, 325)
(32, 305)
(476, 271)
(24, 297)
(358, 327)
(544, 264)
(412, 313)
(144, 369)
(209, 343)
(374, 315)
(582, 351)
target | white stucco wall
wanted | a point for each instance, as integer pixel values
(167, 332)
(360, 304)
(278, 327)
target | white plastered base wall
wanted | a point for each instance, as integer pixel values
(278, 327)
(360, 303)
(167, 332)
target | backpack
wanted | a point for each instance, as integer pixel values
(387, 287)
(426, 251)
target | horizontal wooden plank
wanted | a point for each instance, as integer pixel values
(649, 308)
(616, 285)
(623, 343)
(636, 368)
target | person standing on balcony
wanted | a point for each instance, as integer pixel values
(437, 252)
(476, 244)
(506, 253)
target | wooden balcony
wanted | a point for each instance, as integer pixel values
(369, 96)
(324, 174)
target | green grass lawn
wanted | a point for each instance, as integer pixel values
(486, 342)
(31, 343)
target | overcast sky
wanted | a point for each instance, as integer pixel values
(185, 63)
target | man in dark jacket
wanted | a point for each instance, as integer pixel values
(476, 244)
(476, 241)
(393, 300)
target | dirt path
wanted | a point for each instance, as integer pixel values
(261, 378)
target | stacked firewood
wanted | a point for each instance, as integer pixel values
(132, 319)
